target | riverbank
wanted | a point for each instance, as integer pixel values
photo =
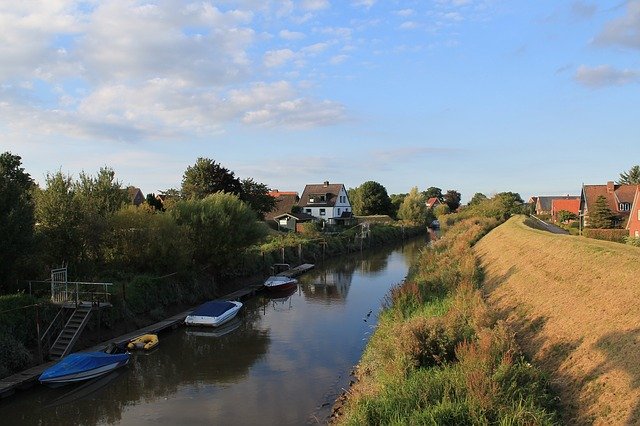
(439, 354)
(573, 303)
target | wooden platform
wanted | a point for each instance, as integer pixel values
(28, 378)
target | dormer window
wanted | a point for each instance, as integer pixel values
(318, 198)
(624, 207)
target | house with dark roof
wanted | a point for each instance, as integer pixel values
(328, 202)
(619, 200)
(285, 201)
(136, 197)
(633, 224)
(292, 221)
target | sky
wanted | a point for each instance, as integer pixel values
(535, 97)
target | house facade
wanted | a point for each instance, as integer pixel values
(619, 198)
(633, 225)
(433, 202)
(543, 203)
(327, 202)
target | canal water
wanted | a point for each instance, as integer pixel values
(283, 361)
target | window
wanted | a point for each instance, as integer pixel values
(322, 212)
(338, 212)
(624, 207)
(308, 211)
(638, 214)
(637, 234)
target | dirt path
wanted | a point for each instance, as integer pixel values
(575, 306)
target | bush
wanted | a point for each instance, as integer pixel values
(632, 241)
(615, 235)
(14, 356)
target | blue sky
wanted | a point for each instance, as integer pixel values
(485, 96)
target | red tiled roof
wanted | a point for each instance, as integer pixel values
(572, 205)
(432, 201)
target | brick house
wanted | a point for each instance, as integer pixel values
(633, 224)
(571, 205)
(619, 200)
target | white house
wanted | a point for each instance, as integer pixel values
(328, 202)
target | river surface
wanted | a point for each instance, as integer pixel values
(282, 361)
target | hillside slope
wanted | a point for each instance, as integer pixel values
(575, 306)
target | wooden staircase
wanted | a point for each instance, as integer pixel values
(71, 332)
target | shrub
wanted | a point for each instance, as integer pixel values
(13, 355)
(615, 235)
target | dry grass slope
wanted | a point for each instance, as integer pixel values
(575, 305)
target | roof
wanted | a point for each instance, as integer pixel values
(433, 201)
(634, 207)
(572, 205)
(544, 201)
(284, 203)
(300, 217)
(615, 194)
(331, 192)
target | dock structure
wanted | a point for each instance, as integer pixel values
(27, 378)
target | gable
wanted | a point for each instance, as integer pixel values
(322, 195)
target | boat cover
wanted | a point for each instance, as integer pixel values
(212, 309)
(80, 362)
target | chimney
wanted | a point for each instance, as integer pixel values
(326, 183)
(610, 187)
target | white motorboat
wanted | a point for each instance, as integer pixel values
(213, 313)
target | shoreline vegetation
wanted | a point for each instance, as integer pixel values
(439, 354)
(141, 299)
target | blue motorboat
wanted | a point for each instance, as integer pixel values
(83, 366)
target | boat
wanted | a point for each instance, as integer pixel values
(216, 332)
(145, 342)
(81, 366)
(213, 313)
(280, 283)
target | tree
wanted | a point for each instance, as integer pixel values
(441, 210)
(257, 196)
(103, 193)
(154, 203)
(601, 217)
(565, 216)
(59, 217)
(631, 177)
(414, 208)
(477, 198)
(220, 226)
(396, 202)
(452, 199)
(16, 216)
(207, 177)
(372, 199)
(433, 192)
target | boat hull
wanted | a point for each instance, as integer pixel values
(213, 320)
(280, 283)
(76, 368)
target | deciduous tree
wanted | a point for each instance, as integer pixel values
(477, 198)
(414, 208)
(433, 192)
(257, 196)
(207, 177)
(16, 216)
(371, 198)
(452, 199)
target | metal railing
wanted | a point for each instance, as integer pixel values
(77, 292)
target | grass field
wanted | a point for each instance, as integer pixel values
(575, 306)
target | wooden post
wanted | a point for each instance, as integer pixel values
(283, 255)
(300, 252)
(40, 358)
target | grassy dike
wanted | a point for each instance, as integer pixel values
(574, 304)
(440, 356)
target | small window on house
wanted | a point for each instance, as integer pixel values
(624, 207)
(322, 212)
(638, 214)
(338, 212)
(637, 234)
(308, 211)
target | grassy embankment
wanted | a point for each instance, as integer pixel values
(439, 356)
(139, 300)
(573, 302)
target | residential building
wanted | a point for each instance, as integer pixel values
(570, 205)
(285, 201)
(433, 202)
(328, 202)
(543, 202)
(292, 221)
(619, 200)
(633, 225)
(136, 197)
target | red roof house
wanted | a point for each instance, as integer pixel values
(433, 201)
(619, 199)
(633, 225)
(571, 205)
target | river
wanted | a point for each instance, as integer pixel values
(283, 361)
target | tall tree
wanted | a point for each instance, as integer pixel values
(257, 196)
(104, 193)
(207, 177)
(396, 202)
(631, 177)
(372, 199)
(16, 216)
(477, 198)
(601, 217)
(452, 199)
(154, 203)
(414, 208)
(433, 192)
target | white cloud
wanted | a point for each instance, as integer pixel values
(409, 25)
(605, 75)
(338, 59)
(624, 31)
(405, 12)
(296, 114)
(314, 5)
(291, 35)
(276, 58)
(364, 3)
